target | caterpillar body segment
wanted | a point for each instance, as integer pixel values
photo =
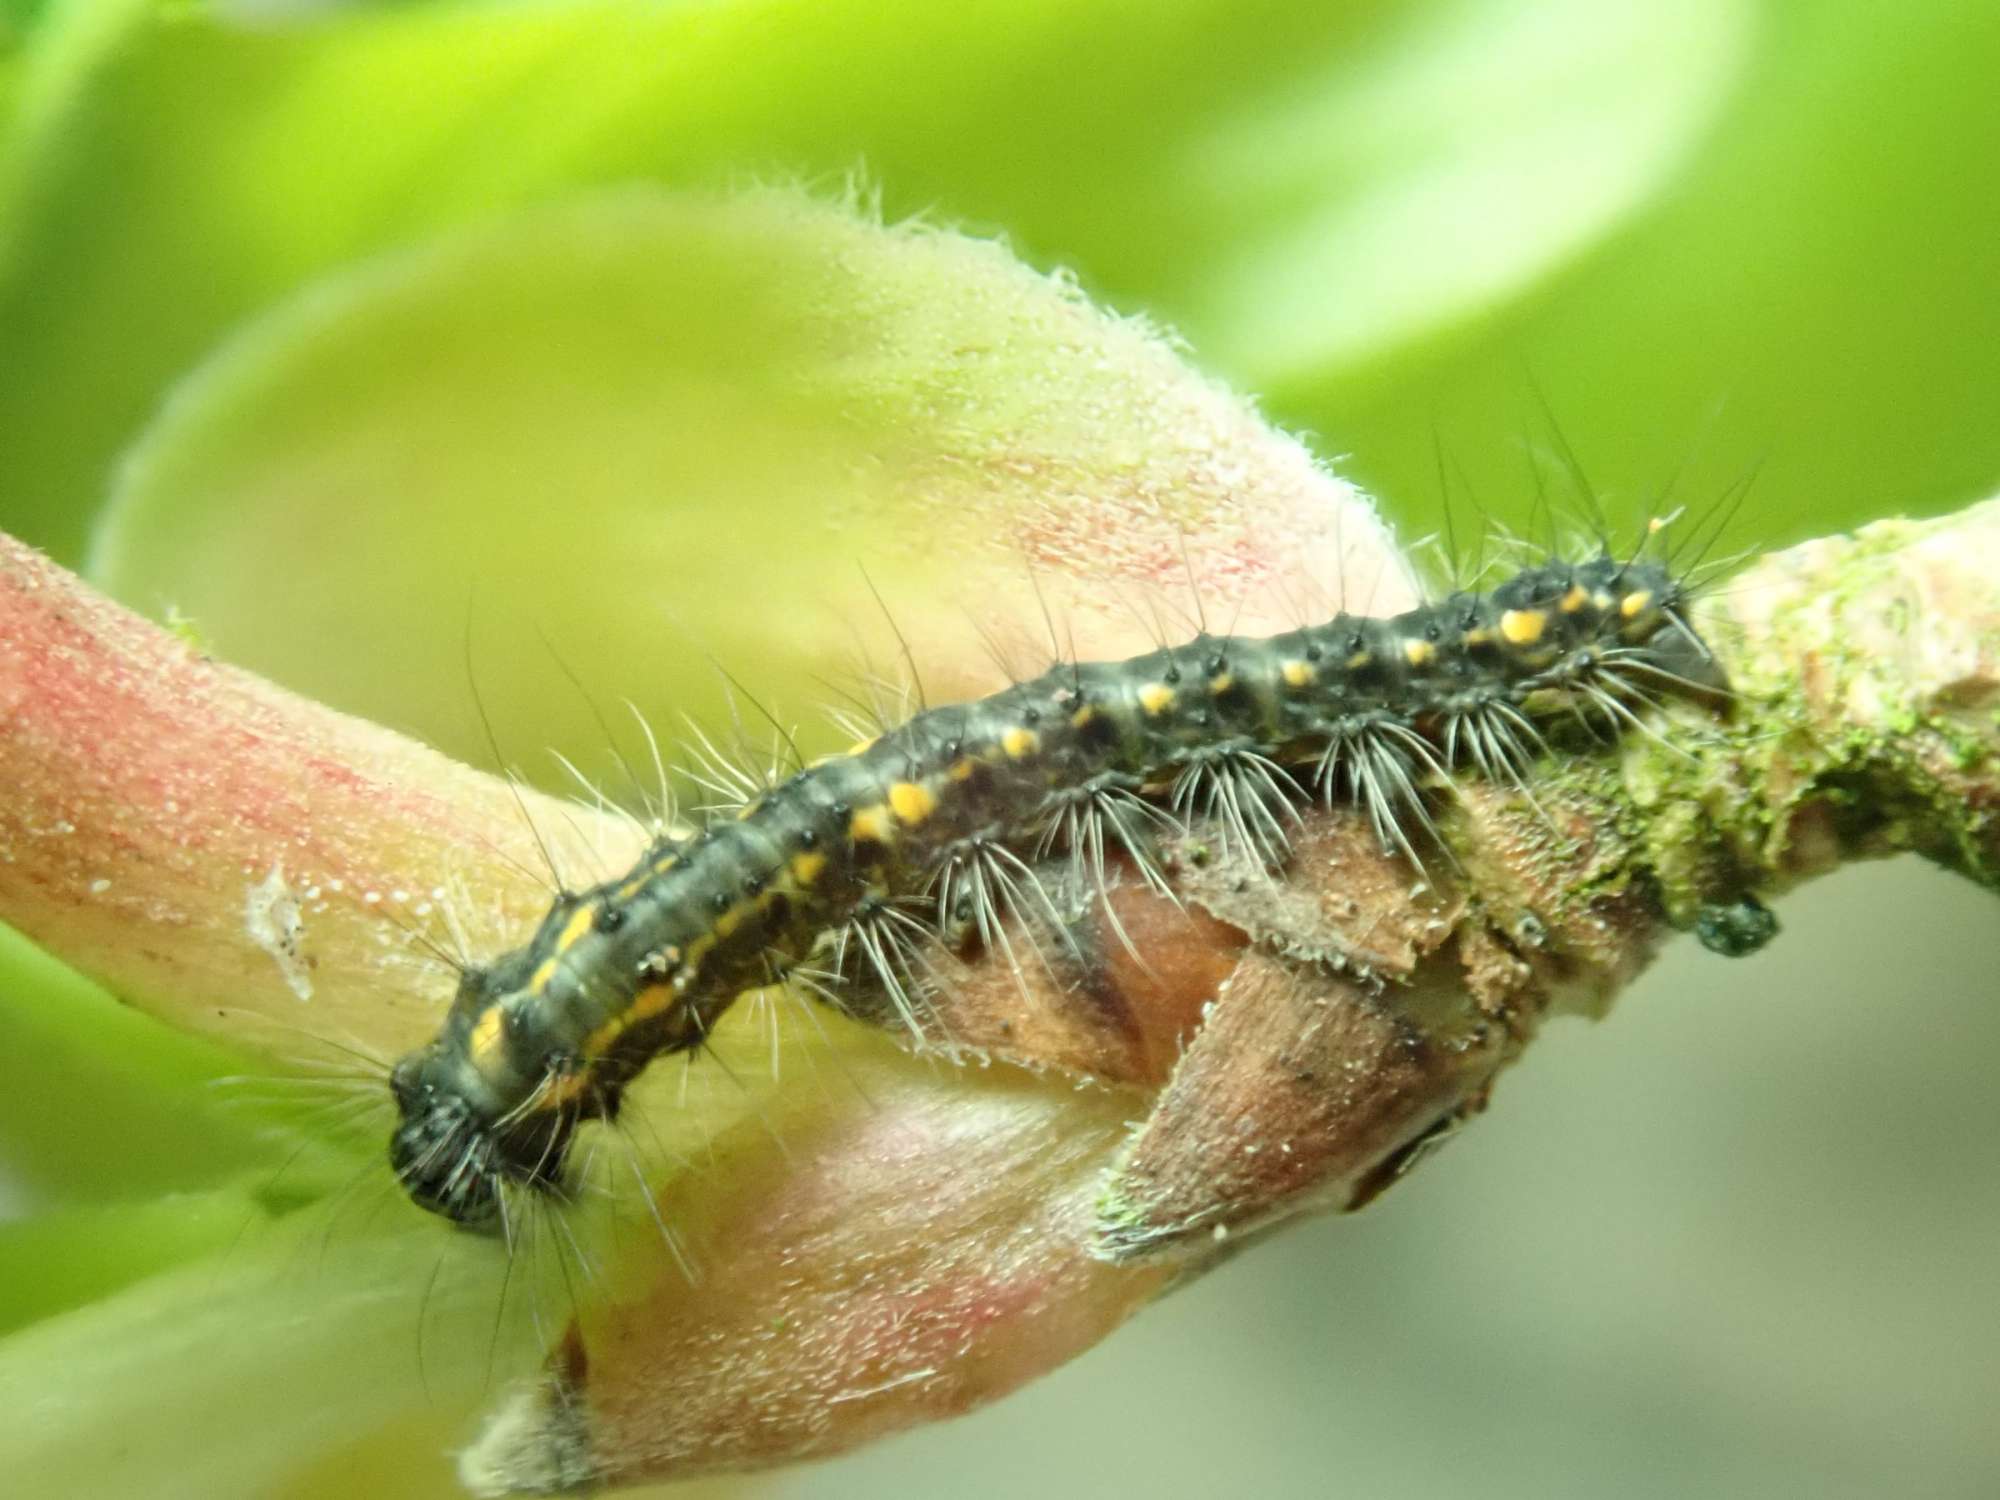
(925, 833)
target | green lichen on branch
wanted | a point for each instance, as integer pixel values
(1865, 673)
(1373, 1013)
(1868, 668)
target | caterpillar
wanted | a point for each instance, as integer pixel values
(926, 834)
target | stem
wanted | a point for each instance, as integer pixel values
(1301, 1043)
(1869, 667)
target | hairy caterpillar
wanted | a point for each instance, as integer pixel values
(924, 834)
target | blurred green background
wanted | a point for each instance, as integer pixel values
(1739, 1239)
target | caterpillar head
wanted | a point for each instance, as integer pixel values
(456, 1149)
(443, 1154)
(1652, 616)
(489, 1104)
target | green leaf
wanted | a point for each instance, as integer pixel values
(276, 1355)
(1300, 188)
(1811, 304)
(649, 438)
(61, 1260)
(1407, 186)
(102, 1103)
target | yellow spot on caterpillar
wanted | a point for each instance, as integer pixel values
(1082, 717)
(963, 767)
(642, 875)
(872, 825)
(563, 1091)
(1635, 602)
(539, 980)
(1019, 742)
(1477, 636)
(912, 801)
(486, 1043)
(649, 1002)
(806, 867)
(577, 925)
(1523, 627)
(1297, 674)
(1418, 652)
(1156, 698)
(1575, 599)
(657, 999)
(1358, 660)
(1221, 683)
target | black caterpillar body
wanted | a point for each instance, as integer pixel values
(931, 824)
